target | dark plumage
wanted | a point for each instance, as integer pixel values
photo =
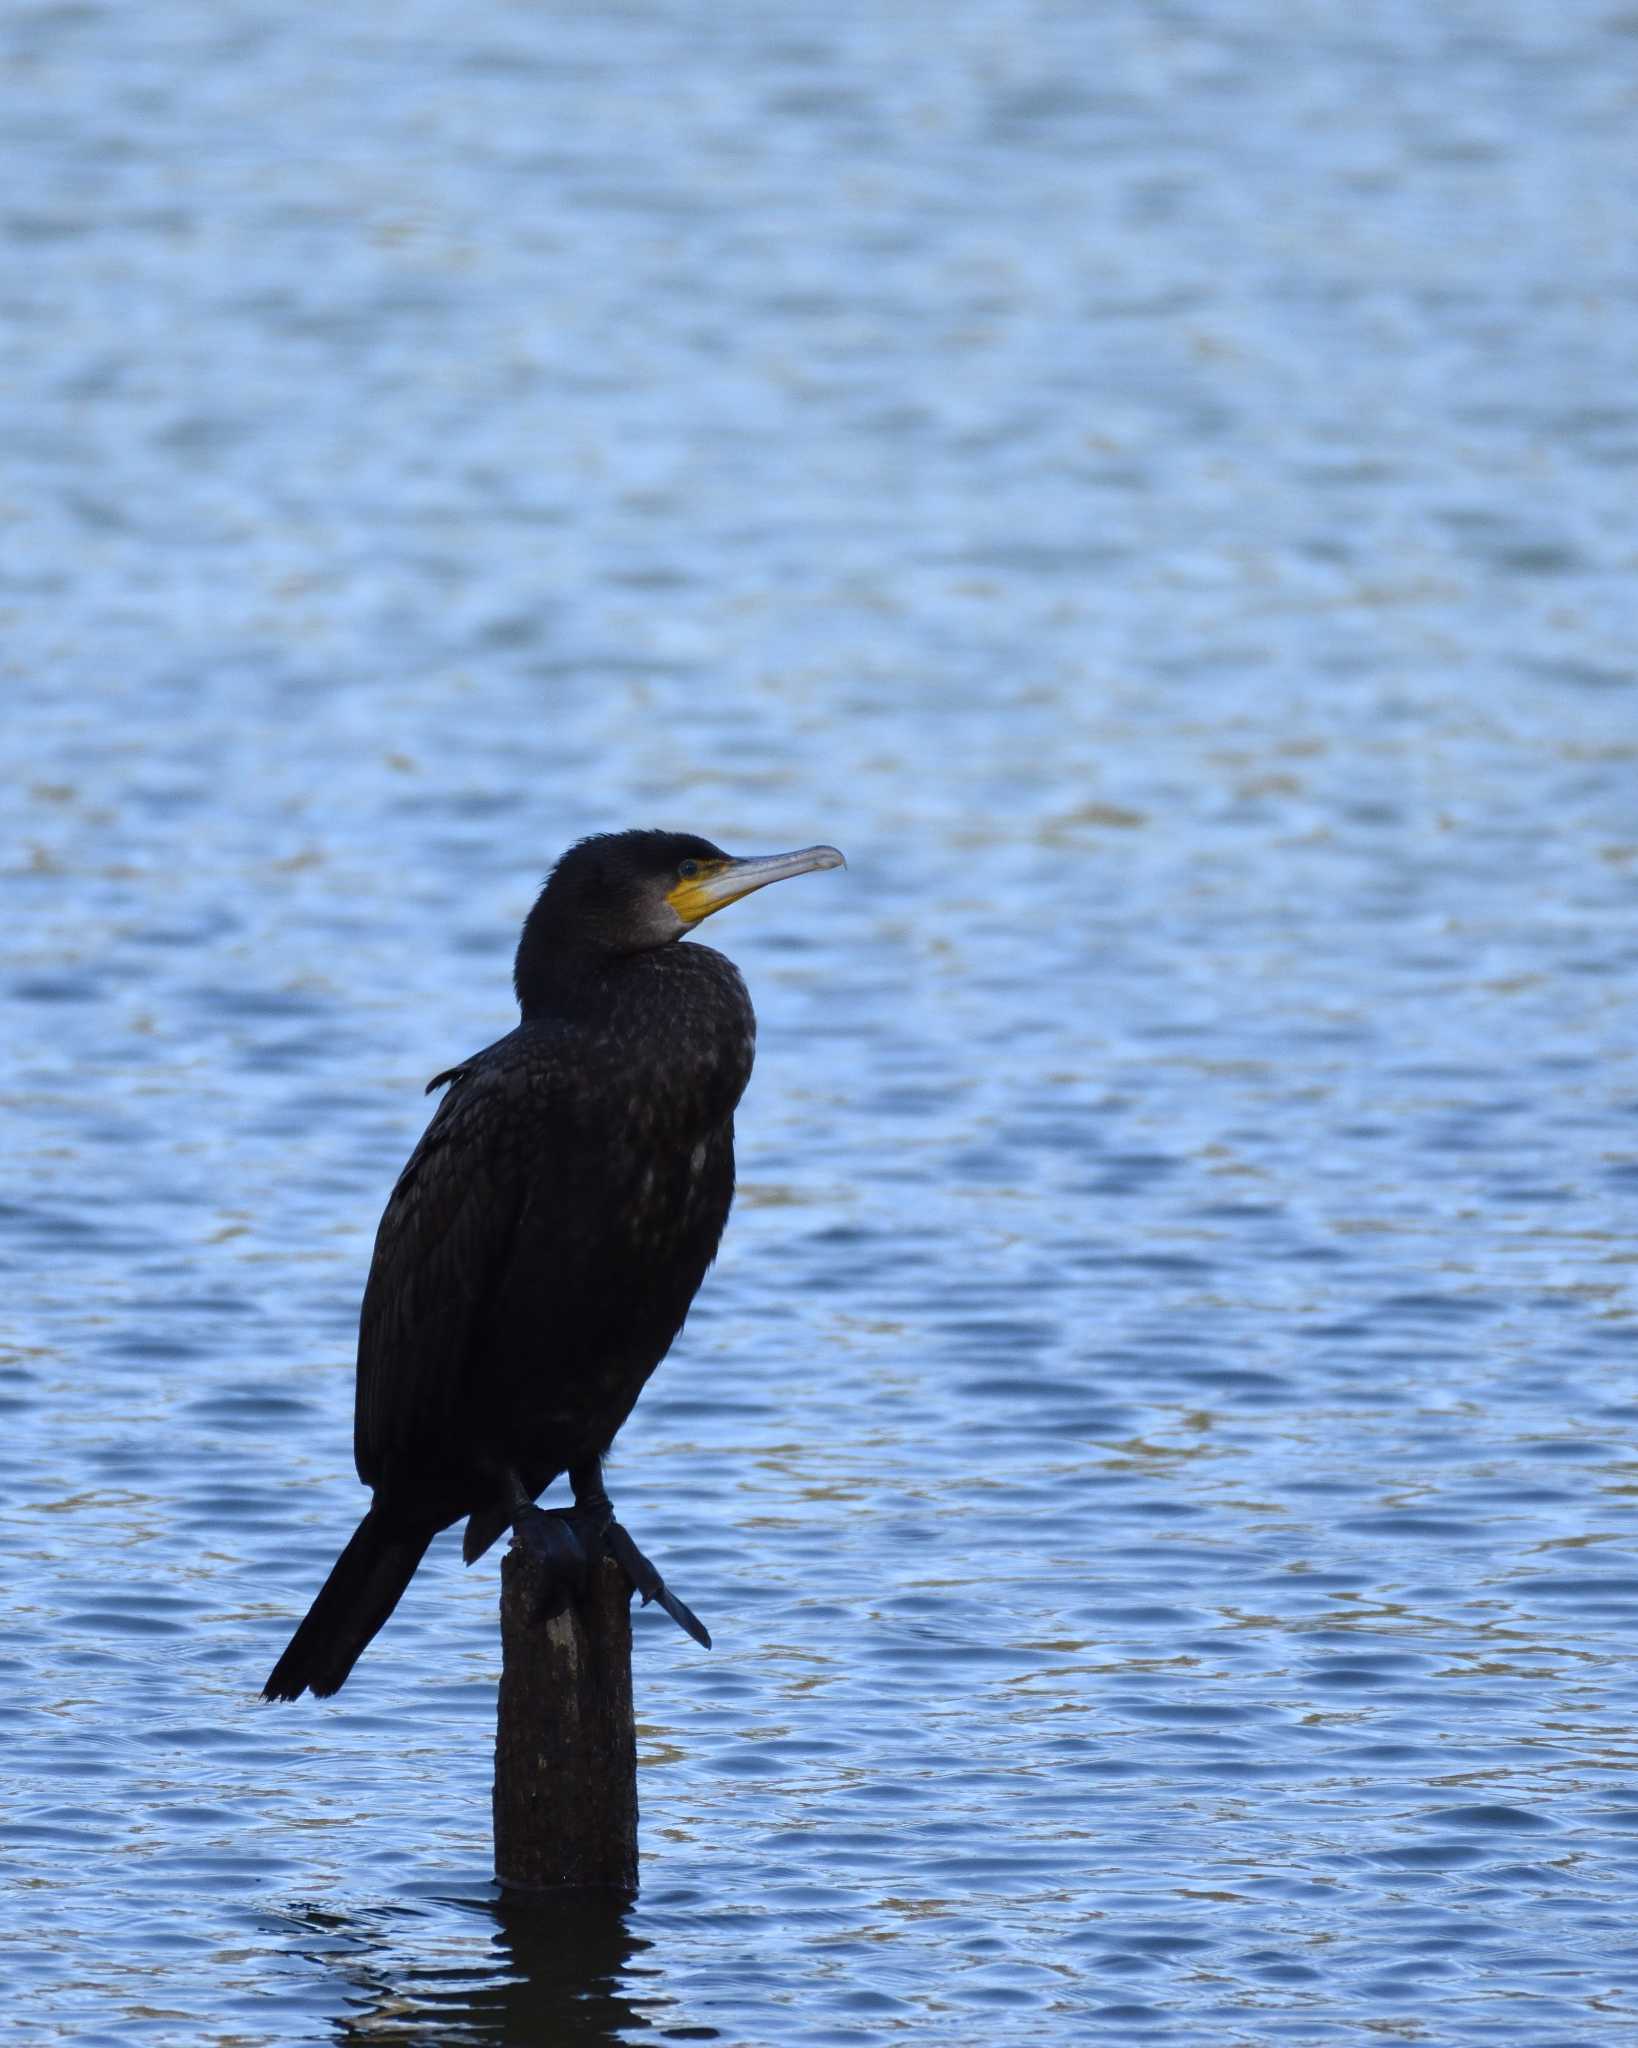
(547, 1236)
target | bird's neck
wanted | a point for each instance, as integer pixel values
(583, 983)
(558, 970)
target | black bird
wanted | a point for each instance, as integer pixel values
(548, 1234)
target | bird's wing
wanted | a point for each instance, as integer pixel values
(444, 1239)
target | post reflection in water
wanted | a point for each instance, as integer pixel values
(545, 1966)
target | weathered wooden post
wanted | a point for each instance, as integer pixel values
(565, 1739)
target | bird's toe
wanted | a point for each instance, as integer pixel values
(560, 1551)
(646, 1580)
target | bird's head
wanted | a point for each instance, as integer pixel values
(629, 892)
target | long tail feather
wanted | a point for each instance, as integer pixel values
(365, 1585)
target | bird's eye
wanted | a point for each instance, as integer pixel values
(687, 868)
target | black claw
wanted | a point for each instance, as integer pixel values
(647, 1581)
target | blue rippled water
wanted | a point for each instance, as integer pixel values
(1157, 1454)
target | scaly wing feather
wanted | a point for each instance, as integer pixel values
(440, 1253)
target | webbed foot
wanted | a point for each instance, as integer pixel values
(563, 1542)
(566, 1541)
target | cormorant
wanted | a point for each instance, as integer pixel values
(547, 1236)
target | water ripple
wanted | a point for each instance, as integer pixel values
(1155, 1450)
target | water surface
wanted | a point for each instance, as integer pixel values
(1157, 1453)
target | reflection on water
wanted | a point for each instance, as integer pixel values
(1157, 1450)
(561, 1967)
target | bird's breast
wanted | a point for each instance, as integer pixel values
(680, 1195)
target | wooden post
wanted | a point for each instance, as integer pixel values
(565, 1741)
